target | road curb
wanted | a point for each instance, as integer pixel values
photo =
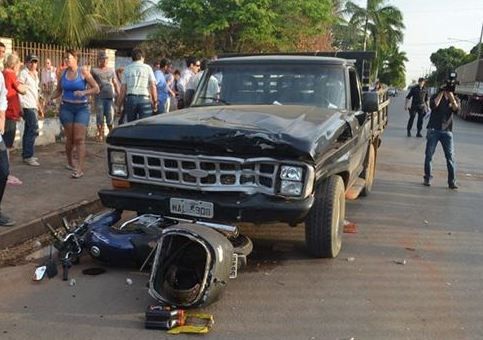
(13, 236)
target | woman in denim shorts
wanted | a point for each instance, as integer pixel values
(74, 110)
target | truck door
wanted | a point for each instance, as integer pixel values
(361, 126)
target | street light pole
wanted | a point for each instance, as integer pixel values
(479, 45)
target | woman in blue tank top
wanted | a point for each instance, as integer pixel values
(74, 85)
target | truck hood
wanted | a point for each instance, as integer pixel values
(277, 131)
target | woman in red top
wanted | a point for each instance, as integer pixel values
(14, 111)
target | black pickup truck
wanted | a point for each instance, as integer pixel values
(267, 138)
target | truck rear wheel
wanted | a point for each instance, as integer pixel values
(369, 171)
(325, 223)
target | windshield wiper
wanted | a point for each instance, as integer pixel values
(216, 100)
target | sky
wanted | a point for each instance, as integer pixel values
(434, 24)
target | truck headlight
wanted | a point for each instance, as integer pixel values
(119, 170)
(118, 163)
(291, 173)
(291, 188)
(118, 157)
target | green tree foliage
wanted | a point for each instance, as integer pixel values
(379, 25)
(447, 60)
(394, 68)
(214, 26)
(69, 22)
(26, 20)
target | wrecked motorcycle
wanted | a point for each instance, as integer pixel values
(193, 259)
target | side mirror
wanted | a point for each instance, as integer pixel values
(370, 101)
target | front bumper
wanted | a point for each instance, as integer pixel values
(228, 207)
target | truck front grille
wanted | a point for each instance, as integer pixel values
(203, 172)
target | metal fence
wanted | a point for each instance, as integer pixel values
(53, 52)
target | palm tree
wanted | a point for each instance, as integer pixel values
(393, 71)
(381, 24)
(78, 21)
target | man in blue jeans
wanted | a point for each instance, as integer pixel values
(440, 129)
(5, 221)
(138, 89)
(30, 109)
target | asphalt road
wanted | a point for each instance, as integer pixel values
(284, 294)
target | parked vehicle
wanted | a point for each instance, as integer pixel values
(470, 89)
(268, 138)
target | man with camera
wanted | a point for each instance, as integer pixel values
(440, 129)
(419, 105)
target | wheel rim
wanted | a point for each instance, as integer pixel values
(337, 223)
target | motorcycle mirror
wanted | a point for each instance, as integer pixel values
(39, 273)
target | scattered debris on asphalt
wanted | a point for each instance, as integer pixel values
(72, 282)
(410, 249)
(350, 227)
(128, 281)
(194, 323)
(401, 262)
(94, 271)
(351, 259)
(426, 222)
(39, 273)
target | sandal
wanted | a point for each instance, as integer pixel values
(13, 180)
(69, 167)
(77, 174)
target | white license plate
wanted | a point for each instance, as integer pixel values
(191, 207)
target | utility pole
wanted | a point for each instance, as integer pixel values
(479, 45)
(365, 26)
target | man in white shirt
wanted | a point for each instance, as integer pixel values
(193, 68)
(30, 109)
(4, 168)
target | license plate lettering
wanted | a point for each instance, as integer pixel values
(191, 207)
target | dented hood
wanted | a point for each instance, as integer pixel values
(277, 131)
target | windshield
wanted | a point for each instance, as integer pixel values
(264, 84)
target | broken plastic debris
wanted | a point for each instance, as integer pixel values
(410, 249)
(426, 222)
(351, 259)
(402, 262)
(468, 175)
(350, 227)
(72, 282)
(128, 281)
(37, 244)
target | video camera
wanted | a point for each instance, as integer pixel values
(450, 84)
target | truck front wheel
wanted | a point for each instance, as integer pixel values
(369, 171)
(325, 223)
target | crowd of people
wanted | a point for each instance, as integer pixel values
(134, 92)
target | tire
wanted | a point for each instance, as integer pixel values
(464, 109)
(325, 223)
(369, 171)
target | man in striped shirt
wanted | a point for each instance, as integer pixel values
(138, 89)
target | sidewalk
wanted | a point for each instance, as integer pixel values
(49, 188)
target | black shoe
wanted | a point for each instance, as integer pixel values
(426, 183)
(419, 134)
(453, 186)
(6, 221)
(409, 133)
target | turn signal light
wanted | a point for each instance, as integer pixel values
(120, 184)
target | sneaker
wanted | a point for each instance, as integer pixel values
(419, 134)
(453, 186)
(31, 161)
(6, 221)
(426, 183)
(409, 133)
